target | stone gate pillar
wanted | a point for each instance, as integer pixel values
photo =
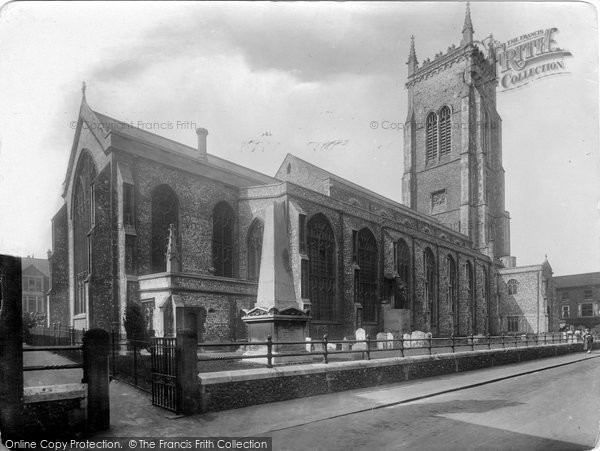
(11, 349)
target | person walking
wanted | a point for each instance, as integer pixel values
(588, 339)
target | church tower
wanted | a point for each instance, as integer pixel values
(453, 143)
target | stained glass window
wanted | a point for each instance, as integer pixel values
(321, 268)
(367, 277)
(222, 242)
(430, 295)
(403, 267)
(83, 206)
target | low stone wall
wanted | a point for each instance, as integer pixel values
(230, 390)
(55, 412)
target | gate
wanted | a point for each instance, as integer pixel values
(164, 373)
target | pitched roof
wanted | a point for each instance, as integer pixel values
(577, 280)
(40, 264)
(116, 126)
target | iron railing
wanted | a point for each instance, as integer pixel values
(130, 361)
(369, 348)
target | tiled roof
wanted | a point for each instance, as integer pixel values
(577, 280)
(138, 134)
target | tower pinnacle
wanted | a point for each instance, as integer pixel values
(412, 57)
(467, 31)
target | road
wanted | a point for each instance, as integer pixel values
(553, 409)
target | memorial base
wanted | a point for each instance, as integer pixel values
(282, 329)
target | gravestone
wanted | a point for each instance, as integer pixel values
(390, 344)
(419, 339)
(360, 336)
(308, 344)
(346, 346)
(381, 344)
(407, 343)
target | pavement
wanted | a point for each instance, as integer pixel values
(132, 414)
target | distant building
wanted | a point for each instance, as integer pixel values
(578, 296)
(527, 299)
(36, 283)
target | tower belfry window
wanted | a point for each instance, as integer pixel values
(432, 137)
(445, 131)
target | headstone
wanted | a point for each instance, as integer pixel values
(346, 346)
(360, 336)
(331, 346)
(308, 344)
(419, 339)
(381, 343)
(390, 344)
(406, 341)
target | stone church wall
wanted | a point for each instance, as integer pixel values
(59, 269)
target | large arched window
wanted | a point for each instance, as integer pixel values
(367, 274)
(165, 211)
(452, 285)
(222, 243)
(403, 267)
(321, 268)
(445, 131)
(513, 286)
(255, 239)
(430, 291)
(83, 216)
(432, 137)
(471, 295)
(486, 294)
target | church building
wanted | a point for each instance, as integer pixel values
(181, 232)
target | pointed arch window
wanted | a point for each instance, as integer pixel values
(367, 274)
(165, 211)
(222, 243)
(513, 286)
(255, 240)
(452, 285)
(429, 272)
(471, 295)
(445, 131)
(321, 268)
(432, 137)
(403, 267)
(83, 215)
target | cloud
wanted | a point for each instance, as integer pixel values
(301, 40)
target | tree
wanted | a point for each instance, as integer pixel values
(134, 322)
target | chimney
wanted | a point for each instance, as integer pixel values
(202, 133)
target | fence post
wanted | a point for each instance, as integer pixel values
(95, 374)
(401, 345)
(188, 389)
(545, 333)
(472, 342)
(489, 341)
(516, 342)
(270, 351)
(72, 335)
(452, 338)
(325, 347)
(113, 352)
(368, 342)
(503, 344)
(11, 349)
(135, 375)
(429, 340)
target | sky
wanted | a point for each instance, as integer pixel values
(307, 78)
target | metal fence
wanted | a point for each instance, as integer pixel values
(130, 361)
(326, 350)
(55, 335)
